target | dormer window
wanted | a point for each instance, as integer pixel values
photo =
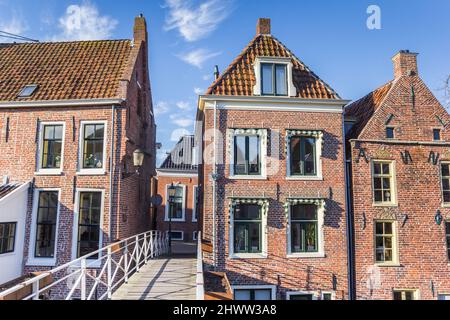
(28, 91)
(274, 79)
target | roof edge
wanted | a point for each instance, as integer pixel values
(61, 103)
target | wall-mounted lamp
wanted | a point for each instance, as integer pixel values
(138, 161)
(438, 218)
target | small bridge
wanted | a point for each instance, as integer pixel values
(137, 268)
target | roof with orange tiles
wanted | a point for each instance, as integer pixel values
(363, 109)
(239, 78)
(63, 70)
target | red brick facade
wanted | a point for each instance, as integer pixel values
(189, 225)
(421, 262)
(129, 125)
(276, 268)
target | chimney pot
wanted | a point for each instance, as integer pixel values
(263, 26)
(405, 64)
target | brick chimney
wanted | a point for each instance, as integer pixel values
(140, 29)
(405, 64)
(263, 26)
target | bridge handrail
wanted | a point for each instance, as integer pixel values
(200, 283)
(144, 246)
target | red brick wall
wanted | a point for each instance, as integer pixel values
(288, 274)
(423, 261)
(188, 226)
(130, 211)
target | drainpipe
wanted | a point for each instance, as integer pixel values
(349, 219)
(111, 177)
(214, 177)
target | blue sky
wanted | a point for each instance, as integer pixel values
(188, 37)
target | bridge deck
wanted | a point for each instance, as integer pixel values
(169, 278)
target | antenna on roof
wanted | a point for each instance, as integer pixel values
(9, 35)
(216, 72)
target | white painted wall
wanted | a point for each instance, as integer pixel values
(13, 208)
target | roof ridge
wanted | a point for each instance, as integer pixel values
(372, 92)
(65, 42)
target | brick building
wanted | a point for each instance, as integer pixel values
(180, 169)
(399, 158)
(71, 116)
(273, 176)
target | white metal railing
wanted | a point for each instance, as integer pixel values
(200, 279)
(97, 275)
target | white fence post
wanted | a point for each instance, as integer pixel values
(36, 290)
(83, 279)
(137, 253)
(151, 245)
(125, 261)
(109, 273)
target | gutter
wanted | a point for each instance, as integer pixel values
(349, 223)
(400, 142)
(111, 178)
(62, 103)
(272, 99)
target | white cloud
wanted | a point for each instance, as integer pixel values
(184, 105)
(15, 26)
(160, 108)
(196, 22)
(207, 77)
(198, 91)
(180, 121)
(178, 133)
(198, 57)
(84, 22)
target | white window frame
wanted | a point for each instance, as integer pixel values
(32, 260)
(320, 230)
(272, 288)
(90, 263)
(195, 235)
(263, 136)
(416, 292)
(40, 149)
(319, 147)
(176, 239)
(166, 217)
(444, 204)
(291, 89)
(194, 203)
(395, 252)
(393, 179)
(315, 294)
(263, 254)
(93, 171)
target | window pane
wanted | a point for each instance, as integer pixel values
(379, 228)
(388, 228)
(52, 147)
(253, 156)
(247, 237)
(263, 295)
(281, 79)
(93, 146)
(390, 133)
(437, 134)
(46, 224)
(446, 184)
(240, 166)
(296, 165)
(397, 295)
(304, 212)
(378, 196)
(247, 212)
(377, 168)
(242, 295)
(445, 170)
(267, 79)
(310, 158)
(89, 223)
(386, 168)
